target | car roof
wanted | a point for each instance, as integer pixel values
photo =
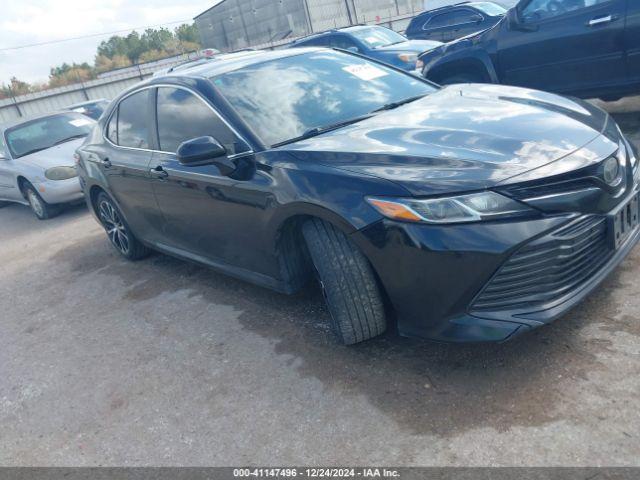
(233, 61)
(467, 4)
(21, 120)
(352, 28)
(87, 102)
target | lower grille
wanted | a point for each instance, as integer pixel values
(548, 269)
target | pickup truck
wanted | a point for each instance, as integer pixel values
(584, 48)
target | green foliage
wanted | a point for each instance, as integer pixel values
(157, 40)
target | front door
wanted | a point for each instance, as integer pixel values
(632, 36)
(208, 216)
(565, 45)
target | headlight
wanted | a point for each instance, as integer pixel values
(474, 207)
(408, 57)
(60, 173)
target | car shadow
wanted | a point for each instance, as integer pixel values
(425, 387)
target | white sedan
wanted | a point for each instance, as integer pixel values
(37, 166)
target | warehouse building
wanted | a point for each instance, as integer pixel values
(236, 24)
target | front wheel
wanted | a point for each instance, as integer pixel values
(348, 283)
(118, 231)
(39, 207)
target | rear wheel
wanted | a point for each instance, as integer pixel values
(119, 233)
(39, 207)
(348, 283)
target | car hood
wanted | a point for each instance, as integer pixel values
(58, 156)
(461, 137)
(413, 46)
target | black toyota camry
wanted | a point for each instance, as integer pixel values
(465, 213)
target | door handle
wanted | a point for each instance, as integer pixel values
(159, 172)
(601, 20)
(106, 163)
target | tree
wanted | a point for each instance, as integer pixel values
(188, 33)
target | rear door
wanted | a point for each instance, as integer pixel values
(124, 162)
(565, 45)
(8, 188)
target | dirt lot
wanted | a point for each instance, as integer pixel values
(105, 362)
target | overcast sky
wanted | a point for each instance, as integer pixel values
(34, 21)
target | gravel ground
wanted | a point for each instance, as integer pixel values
(161, 362)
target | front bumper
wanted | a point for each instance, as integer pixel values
(489, 281)
(60, 191)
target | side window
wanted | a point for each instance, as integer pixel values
(112, 127)
(343, 42)
(133, 128)
(538, 10)
(466, 16)
(440, 20)
(183, 116)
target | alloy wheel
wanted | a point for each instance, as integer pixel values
(114, 226)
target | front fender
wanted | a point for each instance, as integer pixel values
(455, 56)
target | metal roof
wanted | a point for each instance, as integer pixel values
(210, 8)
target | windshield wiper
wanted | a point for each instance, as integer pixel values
(68, 139)
(312, 132)
(392, 105)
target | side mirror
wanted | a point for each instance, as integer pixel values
(516, 23)
(205, 151)
(353, 49)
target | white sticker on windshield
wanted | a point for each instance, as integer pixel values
(79, 122)
(365, 71)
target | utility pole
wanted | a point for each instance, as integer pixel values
(15, 102)
(346, 4)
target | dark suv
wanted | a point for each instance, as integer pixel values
(470, 213)
(454, 21)
(586, 48)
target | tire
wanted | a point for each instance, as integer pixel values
(41, 209)
(119, 233)
(461, 78)
(348, 283)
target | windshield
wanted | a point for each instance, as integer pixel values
(376, 37)
(42, 133)
(490, 8)
(284, 98)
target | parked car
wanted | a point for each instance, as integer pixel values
(92, 108)
(37, 166)
(376, 42)
(455, 21)
(585, 48)
(480, 212)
